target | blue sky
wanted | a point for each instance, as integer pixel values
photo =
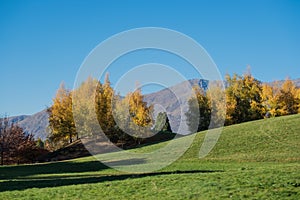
(44, 42)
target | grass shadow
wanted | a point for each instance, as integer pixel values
(19, 171)
(22, 184)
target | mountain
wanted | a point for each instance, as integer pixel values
(296, 82)
(35, 124)
(173, 101)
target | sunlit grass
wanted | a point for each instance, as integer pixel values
(254, 160)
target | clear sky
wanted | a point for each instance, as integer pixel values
(43, 43)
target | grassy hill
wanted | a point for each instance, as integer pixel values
(253, 160)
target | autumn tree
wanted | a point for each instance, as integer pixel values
(15, 145)
(243, 99)
(298, 98)
(140, 114)
(61, 122)
(104, 100)
(270, 99)
(93, 108)
(217, 101)
(122, 119)
(281, 100)
(84, 109)
(288, 101)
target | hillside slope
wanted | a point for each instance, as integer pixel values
(274, 139)
(253, 160)
(271, 140)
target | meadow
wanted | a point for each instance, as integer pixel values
(253, 160)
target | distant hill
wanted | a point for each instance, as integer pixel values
(35, 124)
(173, 104)
(296, 82)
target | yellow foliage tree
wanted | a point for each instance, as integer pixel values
(84, 108)
(288, 101)
(243, 99)
(104, 107)
(141, 115)
(61, 122)
(217, 101)
(270, 98)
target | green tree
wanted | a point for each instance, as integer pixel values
(162, 123)
(40, 143)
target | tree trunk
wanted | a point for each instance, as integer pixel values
(2, 157)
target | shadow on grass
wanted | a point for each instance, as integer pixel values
(14, 172)
(83, 179)
(21, 171)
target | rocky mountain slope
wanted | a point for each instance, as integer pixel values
(35, 124)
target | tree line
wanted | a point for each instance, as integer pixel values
(116, 115)
(246, 99)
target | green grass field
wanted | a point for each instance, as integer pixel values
(254, 160)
